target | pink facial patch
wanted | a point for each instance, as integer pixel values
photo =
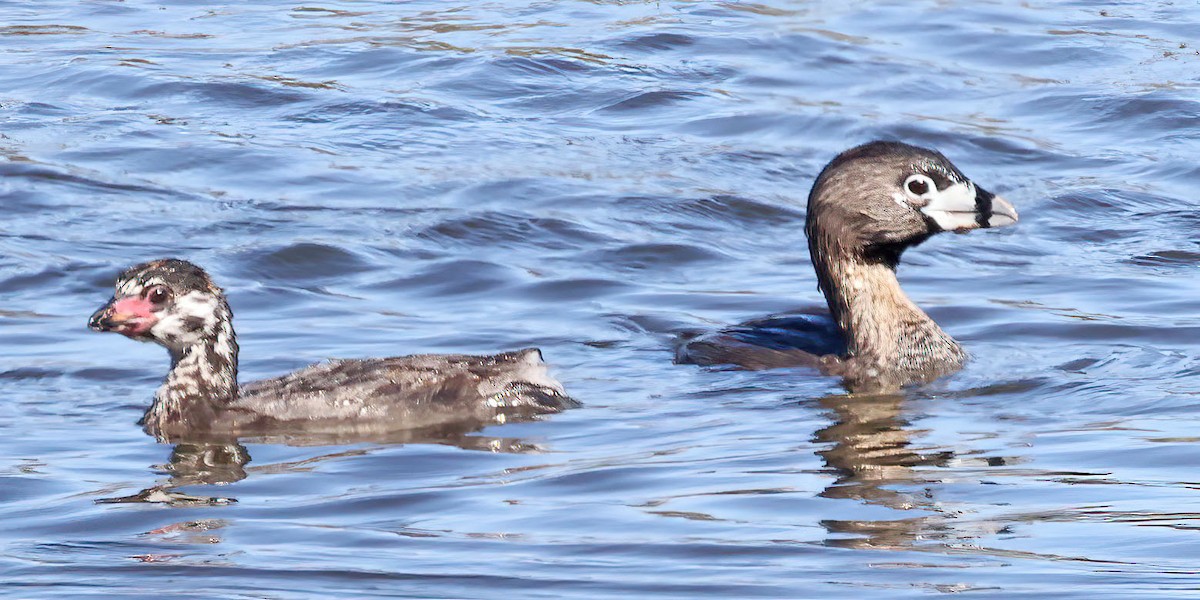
(132, 315)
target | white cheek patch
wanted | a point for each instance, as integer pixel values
(197, 304)
(953, 208)
(172, 323)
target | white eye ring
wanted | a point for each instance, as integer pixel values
(920, 188)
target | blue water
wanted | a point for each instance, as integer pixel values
(593, 177)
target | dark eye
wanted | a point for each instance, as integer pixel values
(918, 186)
(158, 294)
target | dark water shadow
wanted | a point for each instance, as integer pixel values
(212, 460)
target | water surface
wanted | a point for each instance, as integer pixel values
(592, 177)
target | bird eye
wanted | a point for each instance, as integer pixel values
(918, 186)
(158, 294)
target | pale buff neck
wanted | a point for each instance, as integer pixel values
(884, 330)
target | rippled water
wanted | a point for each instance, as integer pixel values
(592, 177)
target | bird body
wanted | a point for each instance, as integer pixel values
(867, 206)
(174, 303)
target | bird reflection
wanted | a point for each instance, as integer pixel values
(213, 460)
(873, 455)
(875, 461)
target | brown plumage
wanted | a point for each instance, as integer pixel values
(867, 206)
(174, 303)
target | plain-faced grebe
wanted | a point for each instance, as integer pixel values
(868, 205)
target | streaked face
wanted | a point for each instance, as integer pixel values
(148, 308)
(134, 309)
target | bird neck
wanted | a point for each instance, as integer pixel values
(202, 381)
(885, 331)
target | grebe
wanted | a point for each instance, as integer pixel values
(867, 206)
(175, 304)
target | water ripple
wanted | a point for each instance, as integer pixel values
(595, 177)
